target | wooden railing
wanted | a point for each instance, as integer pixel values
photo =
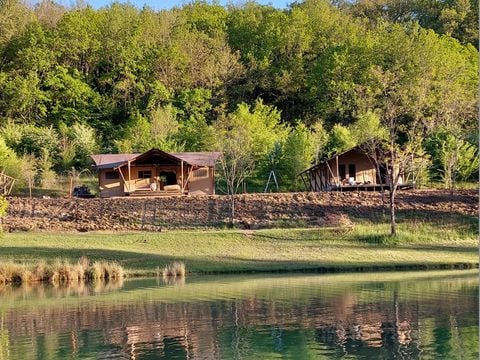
(6, 184)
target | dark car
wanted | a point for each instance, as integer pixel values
(82, 192)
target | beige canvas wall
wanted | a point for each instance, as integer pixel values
(109, 187)
(200, 182)
(365, 169)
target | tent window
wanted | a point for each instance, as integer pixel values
(145, 174)
(112, 175)
(200, 173)
(352, 171)
(341, 170)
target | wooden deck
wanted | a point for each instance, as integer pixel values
(370, 187)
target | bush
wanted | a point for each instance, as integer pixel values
(3, 206)
(3, 209)
(178, 268)
(60, 272)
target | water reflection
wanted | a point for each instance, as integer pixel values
(365, 316)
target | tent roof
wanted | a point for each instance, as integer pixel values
(355, 148)
(110, 161)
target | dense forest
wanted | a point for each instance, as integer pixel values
(276, 88)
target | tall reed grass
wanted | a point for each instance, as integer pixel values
(61, 271)
(106, 270)
(176, 269)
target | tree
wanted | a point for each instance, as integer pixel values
(458, 18)
(298, 154)
(28, 171)
(458, 159)
(45, 176)
(14, 17)
(158, 130)
(411, 96)
(8, 160)
(143, 79)
(320, 139)
(237, 161)
(263, 127)
(77, 143)
(404, 137)
(3, 209)
(340, 139)
(193, 110)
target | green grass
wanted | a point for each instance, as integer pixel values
(58, 188)
(460, 185)
(366, 247)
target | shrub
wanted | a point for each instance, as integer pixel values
(61, 271)
(106, 270)
(3, 206)
(176, 269)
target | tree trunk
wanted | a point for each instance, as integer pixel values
(382, 189)
(232, 209)
(393, 224)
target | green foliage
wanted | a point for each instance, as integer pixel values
(29, 139)
(45, 175)
(368, 127)
(195, 134)
(262, 124)
(453, 159)
(3, 206)
(78, 81)
(9, 162)
(193, 107)
(70, 98)
(457, 18)
(158, 130)
(458, 160)
(418, 168)
(297, 155)
(320, 140)
(261, 127)
(340, 139)
(77, 143)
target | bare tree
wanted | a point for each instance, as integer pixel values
(28, 171)
(237, 161)
(401, 102)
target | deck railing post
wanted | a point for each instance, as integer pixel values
(129, 177)
(181, 171)
(339, 181)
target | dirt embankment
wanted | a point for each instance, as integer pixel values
(252, 210)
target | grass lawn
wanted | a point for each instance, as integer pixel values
(419, 245)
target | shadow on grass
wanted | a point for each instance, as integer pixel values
(472, 250)
(378, 239)
(143, 263)
(128, 259)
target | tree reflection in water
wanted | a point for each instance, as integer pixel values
(302, 317)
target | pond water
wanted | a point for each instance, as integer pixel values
(338, 316)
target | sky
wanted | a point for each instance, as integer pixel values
(168, 4)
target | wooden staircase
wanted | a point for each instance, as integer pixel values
(149, 193)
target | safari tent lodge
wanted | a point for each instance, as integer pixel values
(348, 171)
(156, 173)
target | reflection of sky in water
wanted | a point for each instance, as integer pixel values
(296, 316)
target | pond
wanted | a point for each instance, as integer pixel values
(403, 315)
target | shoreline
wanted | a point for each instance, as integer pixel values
(132, 274)
(364, 248)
